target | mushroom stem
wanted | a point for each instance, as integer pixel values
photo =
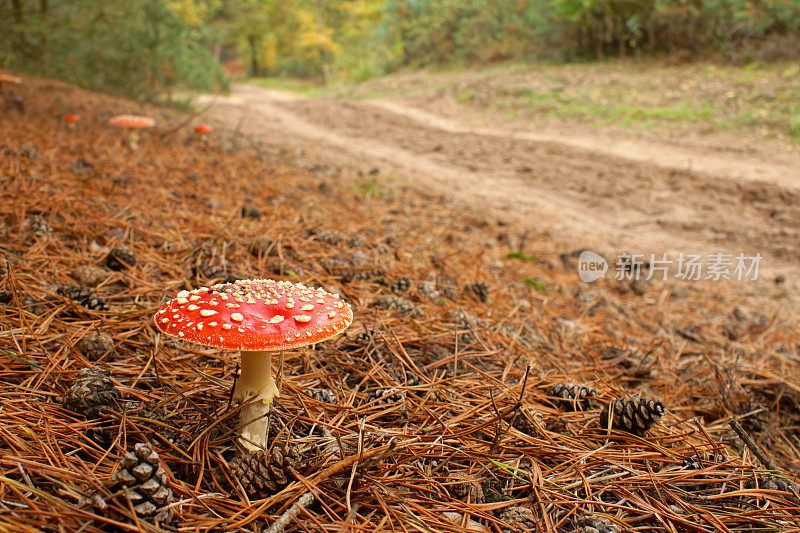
(255, 382)
(133, 141)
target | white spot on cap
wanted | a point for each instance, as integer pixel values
(303, 318)
(277, 319)
(212, 324)
(182, 300)
(240, 330)
(237, 317)
(226, 326)
(289, 305)
(332, 314)
(199, 326)
(194, 298)
(180, 334)
(164, 320)
(307, 307)
(183, 294)
(192, 307)
(207, 312)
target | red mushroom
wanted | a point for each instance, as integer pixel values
(256, 317)
(71, 120)
(203, 130)
(9, 78)
(134, 123)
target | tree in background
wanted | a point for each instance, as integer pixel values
(139, 49)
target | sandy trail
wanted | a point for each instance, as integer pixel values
(609, 195)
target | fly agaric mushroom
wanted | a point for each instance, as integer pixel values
(71, 120)
(9, 78)
(203, 130)
(134, 123)
(256, 317)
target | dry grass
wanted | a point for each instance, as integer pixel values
(70, 196)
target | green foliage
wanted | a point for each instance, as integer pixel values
(138, 49)
(536, 284)
(444, 31)
(521, 256)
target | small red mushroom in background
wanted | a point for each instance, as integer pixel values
(256, 317)
(71, 121)
(9, 78)
(134, 123)
(203, 131)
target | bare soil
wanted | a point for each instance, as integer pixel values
(603, 192)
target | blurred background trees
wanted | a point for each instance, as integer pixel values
(134, 48)
(146, 47)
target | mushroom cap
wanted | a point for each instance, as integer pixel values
(9, 78)
(132, 121)
(72, 118)
(204, 128)
(254, 315)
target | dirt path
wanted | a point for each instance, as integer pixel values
(609, 195)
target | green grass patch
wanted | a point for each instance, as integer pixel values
(371, 188)
(520, 255)
(465, 96)
(302, 87)
(536, 284)
(793, 129)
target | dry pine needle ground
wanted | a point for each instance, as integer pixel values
(421, 417)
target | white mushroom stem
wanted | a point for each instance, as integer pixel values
(133, 140)
(256, 382)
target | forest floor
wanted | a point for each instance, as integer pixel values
(446, 405)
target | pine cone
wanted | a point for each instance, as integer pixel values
(400, 285)
(572, 397)
(38, 227)
(143, 482)
(526, 420)
(427, 291)
(390, 301)
(266, 472)
(250, 211)
(120, 258)
(89, 275)
(84, 296)
(480, 290)
(325, 396)
(331, 237)
(384, 397)
(91, 393)
(593, 524)
(518, 518)
(210, 271)
(634, 415)
(463, 487)
(94, 344)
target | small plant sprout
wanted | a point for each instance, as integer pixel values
(203, 131)
(256, 317)
(134, 123)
